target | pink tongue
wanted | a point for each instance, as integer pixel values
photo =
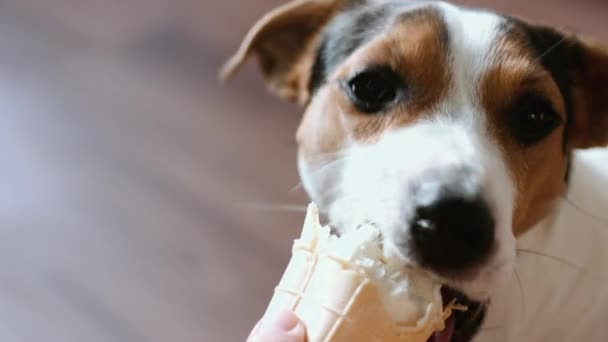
(446, 334)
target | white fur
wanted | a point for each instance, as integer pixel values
(374, 186)
(370, 182)
(473, 36)
(561, 296)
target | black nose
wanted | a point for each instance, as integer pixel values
(452, 233)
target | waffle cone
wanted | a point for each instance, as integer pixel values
(337, 300)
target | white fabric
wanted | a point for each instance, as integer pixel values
(563, 297)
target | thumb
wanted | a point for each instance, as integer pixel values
(281, 326)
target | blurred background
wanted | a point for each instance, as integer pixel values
(139, 200)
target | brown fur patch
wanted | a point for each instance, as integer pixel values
(415, 41)
(538, 171)
(590, 126)
(322, 129)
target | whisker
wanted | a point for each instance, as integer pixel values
(553, 47)
(550, 257)
(596, 218)
(328, 166)
(523, 296)
(331, 154)
(319, 172)
(271, 207)
(583, 271)
(351, 198)
(297, 187)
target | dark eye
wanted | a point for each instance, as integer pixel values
(374, 90)
(533, 119)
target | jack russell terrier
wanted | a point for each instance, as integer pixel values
(452, 130)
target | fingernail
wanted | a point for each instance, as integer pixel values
(284, 320)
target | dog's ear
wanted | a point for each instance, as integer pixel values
(284, 42)
(589, 126)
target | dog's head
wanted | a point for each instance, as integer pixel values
(449, 128)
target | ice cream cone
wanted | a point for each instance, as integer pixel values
(339, 299)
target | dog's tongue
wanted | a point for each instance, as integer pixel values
(446, 334)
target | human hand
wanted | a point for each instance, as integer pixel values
(282, 326)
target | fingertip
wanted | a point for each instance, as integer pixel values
(297, 334)
(284, 320)
(254, 332)
(281, 326)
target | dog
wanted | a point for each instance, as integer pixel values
(453, 130)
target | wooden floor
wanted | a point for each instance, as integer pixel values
(139, 201)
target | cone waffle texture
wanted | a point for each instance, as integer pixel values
(339, 300)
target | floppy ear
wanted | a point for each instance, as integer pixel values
(284, 42)
(589, 125)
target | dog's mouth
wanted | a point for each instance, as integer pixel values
(461, 326)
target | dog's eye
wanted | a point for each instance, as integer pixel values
(534, 119)
(373, 90)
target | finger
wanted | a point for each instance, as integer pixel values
(282, 326)
(255, 330)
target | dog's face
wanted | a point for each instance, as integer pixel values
(448, 128)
